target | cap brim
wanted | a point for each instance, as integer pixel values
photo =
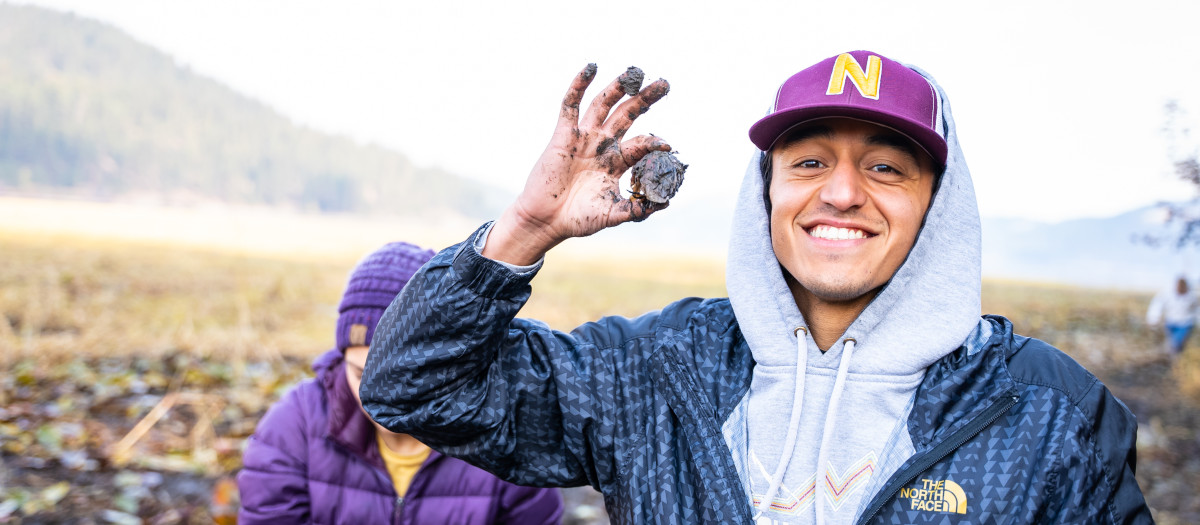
(766, 131)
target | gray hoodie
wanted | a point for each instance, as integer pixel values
(819, 433)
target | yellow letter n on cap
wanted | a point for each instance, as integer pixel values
(867, 81)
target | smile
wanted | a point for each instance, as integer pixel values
(836, 234)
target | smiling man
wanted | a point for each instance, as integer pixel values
(846, 200)
(848, 378)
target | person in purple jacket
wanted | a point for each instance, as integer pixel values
(317, 458)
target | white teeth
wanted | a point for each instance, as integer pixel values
(837, 234)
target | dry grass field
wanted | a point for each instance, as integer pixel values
(98, 330)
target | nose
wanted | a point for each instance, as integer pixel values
(844, 188)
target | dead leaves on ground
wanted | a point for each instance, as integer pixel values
(131, 439)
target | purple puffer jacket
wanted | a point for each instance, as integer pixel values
(314, 458)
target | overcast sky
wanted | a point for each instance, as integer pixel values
(1059, 104)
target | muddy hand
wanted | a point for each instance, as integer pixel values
(574, 189)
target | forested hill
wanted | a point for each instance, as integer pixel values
(86, 110)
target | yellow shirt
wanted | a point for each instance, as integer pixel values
(401, 467)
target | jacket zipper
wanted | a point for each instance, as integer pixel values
(943, 449)
(705, 421)
(398, 512)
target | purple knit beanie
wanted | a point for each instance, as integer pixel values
(374, 283)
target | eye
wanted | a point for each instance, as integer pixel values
(883, 171)
(810, 164)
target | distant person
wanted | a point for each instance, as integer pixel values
(1175, 308)
(849, 376)
(317, 458)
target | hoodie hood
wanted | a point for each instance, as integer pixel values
(927, 309)
(841, 408)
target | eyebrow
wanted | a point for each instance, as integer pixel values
(885, 138)
(897, 141)
(804, 133)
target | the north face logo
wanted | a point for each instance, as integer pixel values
(936, 496)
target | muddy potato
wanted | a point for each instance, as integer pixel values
(657, 176)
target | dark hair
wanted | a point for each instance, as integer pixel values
(764, 165)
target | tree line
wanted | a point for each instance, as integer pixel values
(87, 110)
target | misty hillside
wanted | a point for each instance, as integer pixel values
(87, 111)
(1099, 252)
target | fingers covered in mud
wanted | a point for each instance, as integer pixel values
(636, 210)
(574, 189)
(622, 118)
(631, 80)
(570, 103)
(634, 149)
(600, 107)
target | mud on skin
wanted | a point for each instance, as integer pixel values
(657, 177)
(642, 208)
(605, 145)
(631, 80)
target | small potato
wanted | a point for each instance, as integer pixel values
(657, 176)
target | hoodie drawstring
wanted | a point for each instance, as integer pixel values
(789, 442)
(835, 397)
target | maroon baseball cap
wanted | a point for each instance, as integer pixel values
(862, 85)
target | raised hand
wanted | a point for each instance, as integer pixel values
(574, 189)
